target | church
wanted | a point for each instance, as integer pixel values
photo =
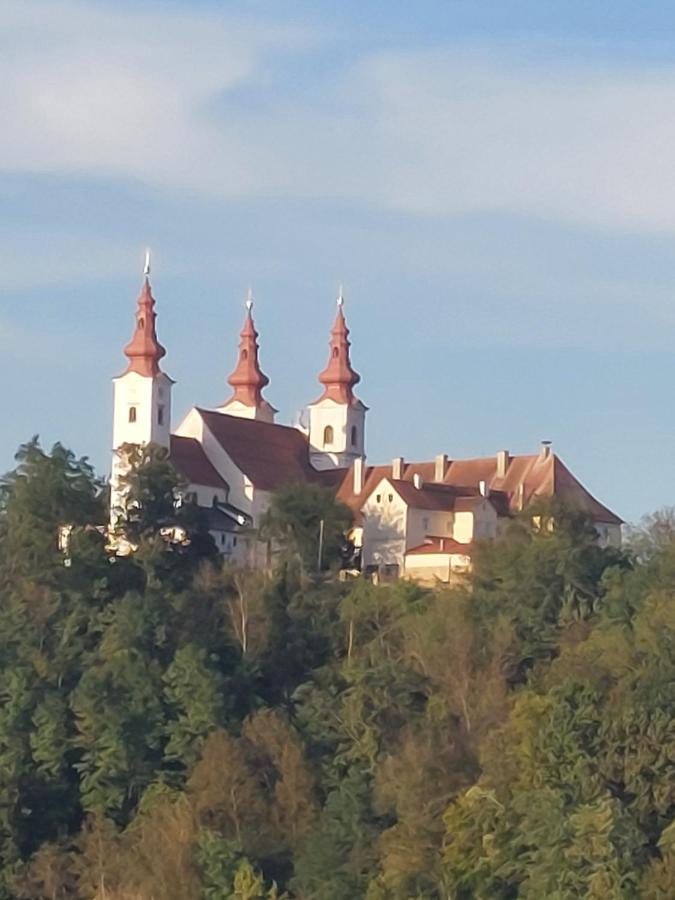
(418, 520)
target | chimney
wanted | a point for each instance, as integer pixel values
(483, 489)
(502, 463)
(417, 481)
(441, 466)
(397, 466)
(358, 475)
(545, 449)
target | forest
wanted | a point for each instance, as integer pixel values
(173, 728)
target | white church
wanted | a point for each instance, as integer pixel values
(413, 519)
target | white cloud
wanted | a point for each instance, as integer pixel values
(90, 89)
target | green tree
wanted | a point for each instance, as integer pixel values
(305, 521)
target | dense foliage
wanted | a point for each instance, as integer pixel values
(171, 728)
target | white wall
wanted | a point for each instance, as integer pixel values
(423, 522)
(384, 527)
(147, 395)
(341, 417)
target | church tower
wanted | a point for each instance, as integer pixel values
(337, 419)
(142, 394)
(248, 379)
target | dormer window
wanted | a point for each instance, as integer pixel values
(132, 414)
(328, 436)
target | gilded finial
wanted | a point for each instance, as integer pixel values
(340, 296)
(146, 267)
(249, 299)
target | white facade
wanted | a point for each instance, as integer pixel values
(337, 433)
(141, 415)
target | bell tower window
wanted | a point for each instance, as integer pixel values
(132, 414)
(160, 415)
(328, 436)
(354, 435)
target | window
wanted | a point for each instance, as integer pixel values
(328, 435)
(425, 523)
(354, 435)
(378, 498)
(390, 498)
(132, 414)
(244, 354)
(160, 415)
(141, 324)
(234, 542)
(336, 352)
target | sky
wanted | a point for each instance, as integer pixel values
(492, 182)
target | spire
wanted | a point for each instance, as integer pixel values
(144, 350)
(248, 380)
(339, 378)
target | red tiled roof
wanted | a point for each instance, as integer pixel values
(270, 455)
(188, 456)
(441, 545)
(526, 478)
(432, 497)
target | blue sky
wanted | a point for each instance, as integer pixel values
(493, 182)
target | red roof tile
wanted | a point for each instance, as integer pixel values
(188, 456)
(270, 455)
(526, 478)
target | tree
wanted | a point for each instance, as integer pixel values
(167, 531)
(304, 521)
(44, 493)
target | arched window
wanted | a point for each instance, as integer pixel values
(328, 435)
(141, 323)
(336, 352)
(354, 435)
(244, 354)
(132, 414)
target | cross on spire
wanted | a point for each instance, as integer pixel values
(144, 350)
(339, 378)
(248, 379)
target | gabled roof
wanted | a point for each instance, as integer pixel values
(188, 456)
(434, 497)
(269, 455)
(526, 478)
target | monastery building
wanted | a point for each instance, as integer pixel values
(415, 519)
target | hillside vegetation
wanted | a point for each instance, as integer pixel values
(175, 729)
